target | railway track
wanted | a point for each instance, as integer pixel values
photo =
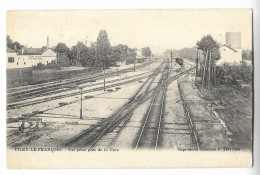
(105, 133)
(22, 104)
(107, 138)
(110, 128)
(51, 91)
(149, 134)
(56, 87)
(90, 137)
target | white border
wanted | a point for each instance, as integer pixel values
(127, 4)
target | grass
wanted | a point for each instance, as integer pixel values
(238, 117)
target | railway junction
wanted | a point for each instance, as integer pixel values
(156, 106)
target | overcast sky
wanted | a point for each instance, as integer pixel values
(158, 29)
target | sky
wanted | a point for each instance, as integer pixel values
(157, 29)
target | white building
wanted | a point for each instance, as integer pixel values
(229, 55)
(11, 58)
(28, 57)
(231, 52)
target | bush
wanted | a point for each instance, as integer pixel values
(233, 74)
(40, 66)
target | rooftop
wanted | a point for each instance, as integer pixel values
(10, 50)
(229, 47)
(32, 51)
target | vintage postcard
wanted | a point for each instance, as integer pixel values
(129, 88)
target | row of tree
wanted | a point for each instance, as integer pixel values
(99, 53)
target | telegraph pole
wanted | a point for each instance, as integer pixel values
(80, 102)
(58, 59)
(104, 67)
(171, 59)
(117, 62)
(197, 61)
(134, 64)
(117, 67)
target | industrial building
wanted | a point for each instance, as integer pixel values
(29, 57)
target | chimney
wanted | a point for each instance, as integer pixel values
(47, 41)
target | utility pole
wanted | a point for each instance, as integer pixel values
(197, 62)
(104, 67)
(58, 59)
(80, 88)
(171, 59)
(117, 67)
(134, 63)
(117, 52)
(209, 81)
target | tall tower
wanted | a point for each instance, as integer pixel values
(47, 41)
(233, 39)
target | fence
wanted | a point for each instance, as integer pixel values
(26, 76)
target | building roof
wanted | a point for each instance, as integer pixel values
(10, 50)
(229, 47)
(32, 51)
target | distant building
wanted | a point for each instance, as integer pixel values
(28, 57)
(231, 52)
(126, 61)
(139, 56)
(229, 55)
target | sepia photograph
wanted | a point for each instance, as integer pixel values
(130, 82)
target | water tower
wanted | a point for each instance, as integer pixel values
(233, 40)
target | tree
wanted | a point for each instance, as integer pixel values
(146, 52)
(63, 54)
(103, 49)
(132, 53)
(123, 49)
(13, 45)
(210, 49)
(247, 54)
(78, 54)
(8, 41)
(61, 48)
(115, 54)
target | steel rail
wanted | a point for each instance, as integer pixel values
(149, 111)
(22, 95)
(129, 114)
(161, 112)
(72, 80)
(115, 115)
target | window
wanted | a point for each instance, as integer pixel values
(17, 63)
(24, 63)
(10, 59)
